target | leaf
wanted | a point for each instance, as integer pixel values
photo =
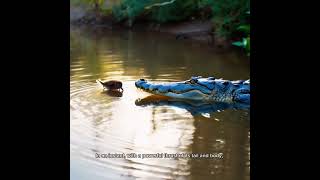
(238, 43)
(244, 28)
(244, 42)
(248, 44)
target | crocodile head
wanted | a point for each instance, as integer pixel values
(203, 89)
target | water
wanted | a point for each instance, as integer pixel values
(103, 123)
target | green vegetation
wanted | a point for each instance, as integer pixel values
(229, 17)
(160, 11)
(129, 9)
(245, 42)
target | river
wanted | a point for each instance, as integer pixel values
(103, 123)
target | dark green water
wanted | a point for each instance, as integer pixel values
(102, 123)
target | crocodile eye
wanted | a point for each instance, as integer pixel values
(225, 83)
(193, 81)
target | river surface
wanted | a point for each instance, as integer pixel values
(102, 122)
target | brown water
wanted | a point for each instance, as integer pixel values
(102, 123)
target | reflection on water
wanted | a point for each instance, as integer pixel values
(113, 93)
(112, 122)
(194, 107)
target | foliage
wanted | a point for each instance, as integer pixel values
(177, 11)
(245, 43)
(156, 10)
(129, 9)
(227, 14)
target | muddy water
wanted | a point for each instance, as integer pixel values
(104, 122)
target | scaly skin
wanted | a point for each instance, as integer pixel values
(201, 89)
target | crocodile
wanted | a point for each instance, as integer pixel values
(198, 88)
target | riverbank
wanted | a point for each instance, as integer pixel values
(195, 30)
